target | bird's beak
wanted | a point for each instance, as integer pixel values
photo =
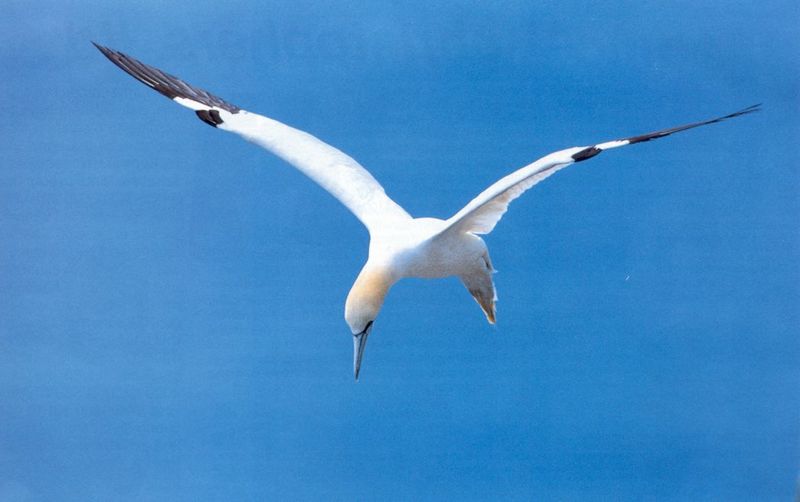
(359, 343)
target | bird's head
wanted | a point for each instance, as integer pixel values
(363, 304)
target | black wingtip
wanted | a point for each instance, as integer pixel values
(744, 111)
(753, 108)
(170, 86)
(666, 132)
(589, 152)
(105, 50)
(100, 48)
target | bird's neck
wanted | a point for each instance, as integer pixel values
(374, 282)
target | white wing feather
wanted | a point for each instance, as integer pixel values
(336, 172)
(484, 211)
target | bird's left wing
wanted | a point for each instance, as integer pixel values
(336, 172)
(484, 211)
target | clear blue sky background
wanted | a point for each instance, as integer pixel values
(171, 307)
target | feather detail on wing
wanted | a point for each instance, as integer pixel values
(335, 171)
(482, 213)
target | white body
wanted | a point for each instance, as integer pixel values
(411, 249)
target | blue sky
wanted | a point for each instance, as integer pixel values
(171, 318)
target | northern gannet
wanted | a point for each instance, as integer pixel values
(400, 245)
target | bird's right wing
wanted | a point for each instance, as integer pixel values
(336, 172)
(484, 211)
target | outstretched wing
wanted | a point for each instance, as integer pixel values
(484, 211)
(336, 172)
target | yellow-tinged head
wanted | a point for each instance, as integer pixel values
(362, 306)
(366, 297)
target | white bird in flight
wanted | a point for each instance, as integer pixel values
(400, 245)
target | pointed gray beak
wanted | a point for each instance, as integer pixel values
(359, 343)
